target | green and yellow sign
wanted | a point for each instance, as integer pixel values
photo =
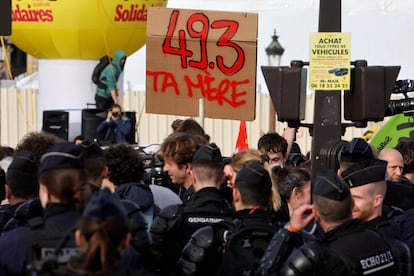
(396, 128)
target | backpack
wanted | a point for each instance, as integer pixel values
(49, 246)
(244, 247)
(103, 62)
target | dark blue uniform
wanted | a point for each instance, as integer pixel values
(6, 213)
(15, 243)
(23, 213)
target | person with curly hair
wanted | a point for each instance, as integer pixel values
(126, 172)
(37, 143)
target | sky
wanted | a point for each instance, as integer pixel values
(380, 32)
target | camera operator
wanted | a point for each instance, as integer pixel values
(116, 126)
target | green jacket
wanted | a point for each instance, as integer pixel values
(110, 74)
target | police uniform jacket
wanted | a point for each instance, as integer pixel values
(259, 230)
(6, 213)
(26, 211)
(394, 226)
(250, 233)
(173, 226)
(348, 249)
(14, 244)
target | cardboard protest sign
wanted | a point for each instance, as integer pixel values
(201, 54)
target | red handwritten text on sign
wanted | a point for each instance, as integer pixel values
(226, 91)
(230, 27)
(194, 54)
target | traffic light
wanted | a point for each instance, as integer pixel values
(371, 88)
(287, 88)
(5, 17)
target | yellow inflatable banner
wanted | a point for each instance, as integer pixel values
(79, 29)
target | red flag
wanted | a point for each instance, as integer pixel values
(242, 141)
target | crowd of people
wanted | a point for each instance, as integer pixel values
(78, 209)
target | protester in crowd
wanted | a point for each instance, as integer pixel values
(190, 126)
(395, 163)
(174, 225)
(63, 194)
(239, 160)
(116, 126)
(276, 147)
(103, 236)
(177, 151)
(400, 192)
(37, 143)
(126, 172)
(406, 148)
(294, 187)
(235, 248)
(105, 97)
(175, 124)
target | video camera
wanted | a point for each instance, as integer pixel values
(296, 159)
(404, 106)
(153, 170)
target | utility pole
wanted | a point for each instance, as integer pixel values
(327, 126)
(366, 100)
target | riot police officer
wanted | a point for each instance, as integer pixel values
(63, 193)
(347, 248)
(235, 248)
(174, 225)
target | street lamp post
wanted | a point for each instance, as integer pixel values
(274, 54)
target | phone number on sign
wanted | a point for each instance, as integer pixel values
(338, 86)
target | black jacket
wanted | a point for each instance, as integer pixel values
(349, 249)
(175, 224)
